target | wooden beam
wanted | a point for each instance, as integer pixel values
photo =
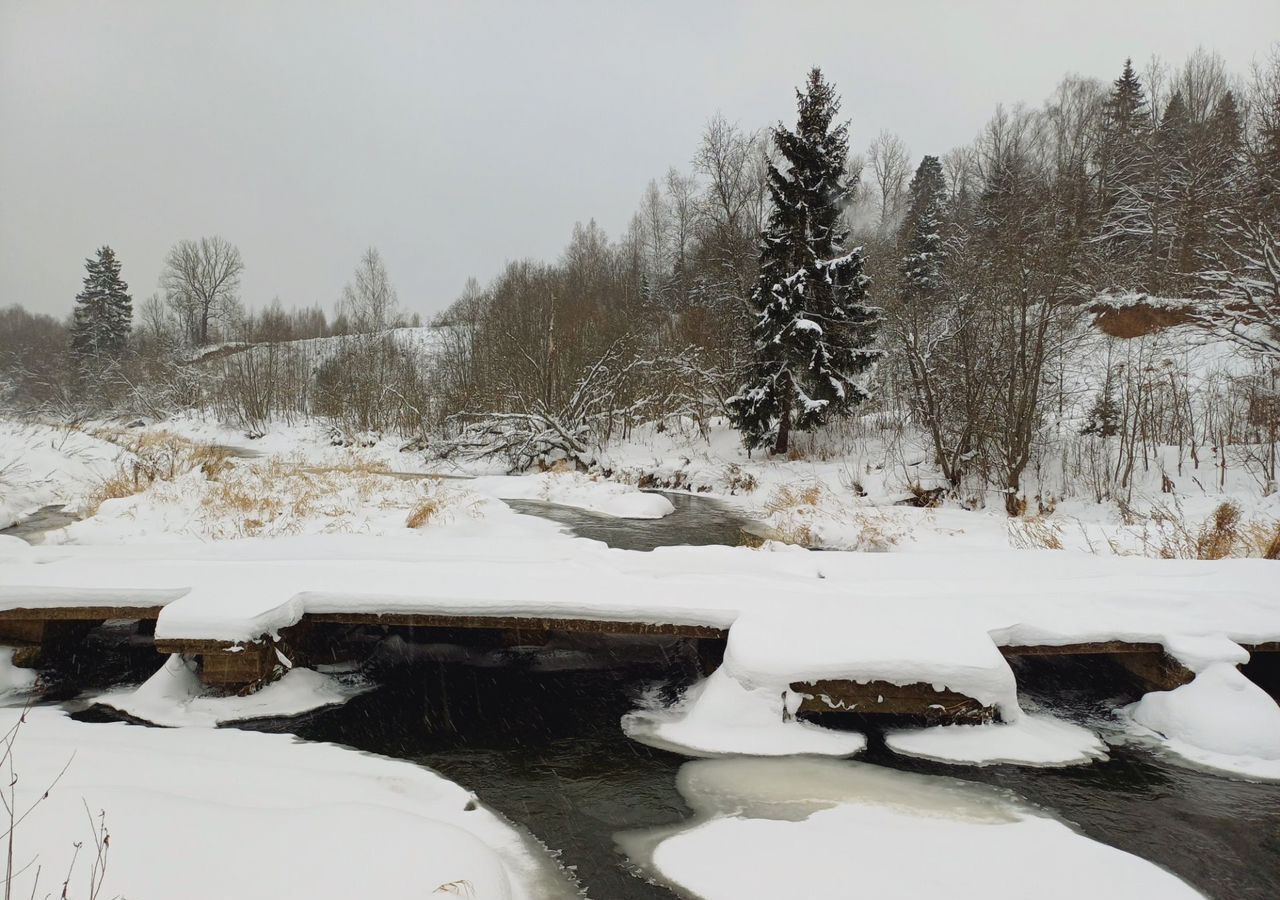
(241, 667)
(524, 623)
(881, 697)
(1156, 671)
(1082, 649)
(80, 613)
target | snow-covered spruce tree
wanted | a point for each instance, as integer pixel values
(103, 315)
(1127, 192)
(923, 249)
(813, 331)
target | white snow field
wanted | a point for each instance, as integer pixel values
(838, 829)
(210, 814)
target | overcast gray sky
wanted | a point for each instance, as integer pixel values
(456, 136)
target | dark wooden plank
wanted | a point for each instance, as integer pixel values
(244, 666)
(883, 698)
(80, 613)
(1156, 671)
(1082, 649)
(524, 623)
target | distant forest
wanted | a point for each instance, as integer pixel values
(790, 286)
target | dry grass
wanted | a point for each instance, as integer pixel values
(809, 515)
(154, 456)
(1035, 533)
(1224, 534)
(280, 496)
(424, 512)
(789, 497)
(117, 486)
(737, 481)
(1163, 533)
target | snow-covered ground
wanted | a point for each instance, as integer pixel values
(210, 814)
(44, 465)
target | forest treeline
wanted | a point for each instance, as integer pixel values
(762, 281)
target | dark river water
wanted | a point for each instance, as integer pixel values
(544, 747)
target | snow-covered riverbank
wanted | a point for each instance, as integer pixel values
(207, 815)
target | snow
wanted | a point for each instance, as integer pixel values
(1221, 720)
(575, 489)
(721, 715)
(837, 829)
(1032, 740)
(43, 465)
(175, 697)
(208, 814)
(13, 680)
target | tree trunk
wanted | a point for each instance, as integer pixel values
(1012, 502)
(784, 422)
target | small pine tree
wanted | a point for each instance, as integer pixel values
(814, 329)
(1104, 416)
(103, 315)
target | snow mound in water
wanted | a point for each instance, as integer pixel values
(836, 829)
(721, 716)
(1033, 740)
(1221, 719)
(175, 697)
(13, 679)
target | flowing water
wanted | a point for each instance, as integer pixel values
(544, 747)
(697, 521)
(33, 528)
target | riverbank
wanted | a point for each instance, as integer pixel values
(335, 536)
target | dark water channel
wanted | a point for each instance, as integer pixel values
(697, 521)
(544, 747)
(45, 519)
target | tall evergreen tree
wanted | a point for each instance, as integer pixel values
(1173, 213)
(1126, 187)
(923, 248)
(814, 329)
(103, 313)
(1124, 128)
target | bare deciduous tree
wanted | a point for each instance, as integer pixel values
(201, 280)
(369, 300)
(891, 166)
